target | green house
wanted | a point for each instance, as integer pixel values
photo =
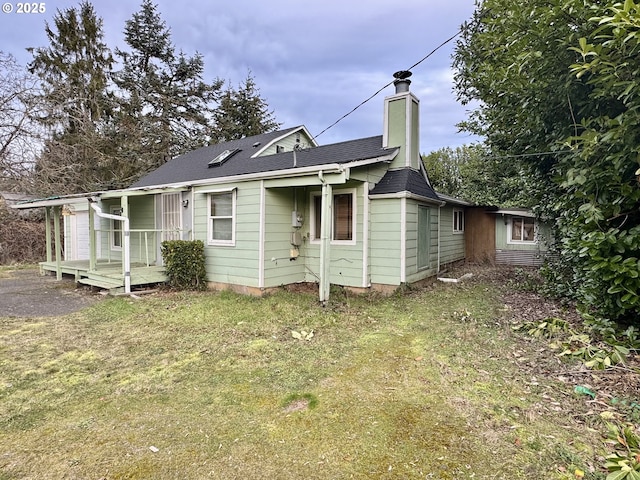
(278, 209)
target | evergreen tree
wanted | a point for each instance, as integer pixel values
(166, 108)
(242, 113)
(73, 71)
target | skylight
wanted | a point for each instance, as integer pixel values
(223, 157)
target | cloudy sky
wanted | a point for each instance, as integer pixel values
(314, 61)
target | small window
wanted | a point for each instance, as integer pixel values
(522, 230)
(343, 223)
(223, 157)
(458, 221)
(279, 149)
(222, 207)
(116, 229)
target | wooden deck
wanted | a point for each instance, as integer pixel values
(107, 274)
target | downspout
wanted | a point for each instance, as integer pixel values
(126, 247)
(439, 218)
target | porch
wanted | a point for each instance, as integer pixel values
(106, 274)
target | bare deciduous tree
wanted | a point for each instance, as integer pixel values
(20, 139)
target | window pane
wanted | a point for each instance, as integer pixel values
(516, 229)
(528, 230)
(343, 217)
(317, 212)
(117, 233)
(458, 221)
(221, 205)
(221, 229)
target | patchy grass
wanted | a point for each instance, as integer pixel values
(214, 385)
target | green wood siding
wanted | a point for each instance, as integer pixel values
(346, 266)
(237, 264)
(141, 217)
(278, 268)
(451, 244)
(398, 130)
(384, 241)
(415, 136)
(502, 229)
(424, 237)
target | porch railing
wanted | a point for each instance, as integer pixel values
(144, 243)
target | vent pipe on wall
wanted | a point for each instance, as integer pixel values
(402, 81)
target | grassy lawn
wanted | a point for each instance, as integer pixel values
(428, 384)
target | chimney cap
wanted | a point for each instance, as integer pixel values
(402, 75)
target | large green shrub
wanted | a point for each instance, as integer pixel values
(184, 261)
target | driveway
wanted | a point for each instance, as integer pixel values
(24, 293)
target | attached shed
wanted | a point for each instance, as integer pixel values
(506, 236)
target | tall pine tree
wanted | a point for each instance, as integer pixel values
(167, 108)
(242, 113)
(73, 71)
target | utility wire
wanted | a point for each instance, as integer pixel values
(390, 83)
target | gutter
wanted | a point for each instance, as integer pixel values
(126, 262)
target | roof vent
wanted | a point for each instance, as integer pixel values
(256, 145)
(402, 81)
(223, 157)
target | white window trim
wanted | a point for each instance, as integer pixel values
(115, 210)
(510, 241)
(461, 213)
(315, 236)
(222, 243)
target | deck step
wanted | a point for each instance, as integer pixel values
(100, 283)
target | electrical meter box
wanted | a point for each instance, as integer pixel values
(296, 239)
(296, 219)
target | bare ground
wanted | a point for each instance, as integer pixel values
(26, 293)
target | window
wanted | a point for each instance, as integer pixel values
(343, 224)
(223, 157)
(343, 217)
(522, 230)
(458, 221)
(222, 209)
(116, 229)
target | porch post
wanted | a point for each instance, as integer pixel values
(56, 229)
(126, 244)
(92, 239)
(47, 221)
(325, 241)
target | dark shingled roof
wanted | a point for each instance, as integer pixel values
(404, 180)
(193, 166)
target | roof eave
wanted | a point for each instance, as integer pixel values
(407, 194)
(301, 128)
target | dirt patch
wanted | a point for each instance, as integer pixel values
(616, 388)
(297, 405)
(25, 293)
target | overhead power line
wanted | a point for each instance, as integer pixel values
(448, 40)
